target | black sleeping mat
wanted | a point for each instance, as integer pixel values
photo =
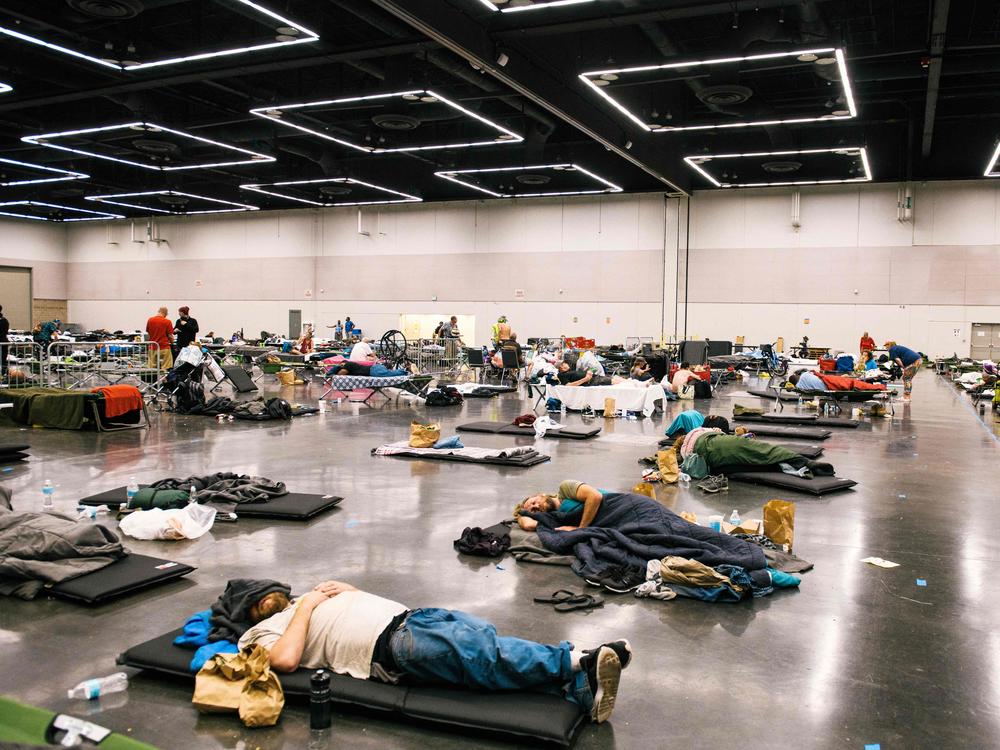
(125, 576)
(295, 506)
(806, 420)
(8, 449)
(9, 458)
(789, 433)
(529, 715)
(814, 486)
(528, 460)
(772, 394)
(500, 428)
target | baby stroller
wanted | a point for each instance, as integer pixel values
(181, 387)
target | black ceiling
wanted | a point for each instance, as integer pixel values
(924, 76)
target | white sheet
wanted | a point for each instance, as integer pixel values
(631, 398)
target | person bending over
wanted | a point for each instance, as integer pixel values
(680, 378)
(909, 360)
(351, 632)
(571, 497)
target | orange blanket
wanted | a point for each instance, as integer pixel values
(119, 399)
(843, 383)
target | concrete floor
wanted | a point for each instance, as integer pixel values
(858, 655)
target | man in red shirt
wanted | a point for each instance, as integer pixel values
(160, 331)
(867, 343)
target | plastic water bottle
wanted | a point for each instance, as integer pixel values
(132, 490)
(800, 402)
(734, 517)
(191, 495)
(90, 689)
(562, 408)
(48, 492)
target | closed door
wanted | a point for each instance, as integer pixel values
(294, 323)
(986, 341)
(15, 296)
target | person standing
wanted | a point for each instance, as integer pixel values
(867, 343)
(186, 329)
(348, 327)
(909, 360)
(501, 331)
(160, 331)
(4, 331)
(338, 331)
(46, 333)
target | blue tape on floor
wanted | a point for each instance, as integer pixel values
(351, 524)
(921, 582)
(876, 746)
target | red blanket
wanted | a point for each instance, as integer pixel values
(119, 399)
(844, 383)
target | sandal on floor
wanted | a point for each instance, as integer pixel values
(580, 602)
(562, 595)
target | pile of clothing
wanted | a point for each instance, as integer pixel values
(678, 576)
(223, 489)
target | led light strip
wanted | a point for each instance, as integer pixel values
(450, 175)
(543, 6)
(838, 53)
(993, 162)
(232, 206)
(310, 36)
(44, 140)
(404, 197)
(5, 87)
(695, 163)
(65, 174)
(97, 215)
(274, 113)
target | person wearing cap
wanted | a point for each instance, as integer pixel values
(501, 331)
(186, 329)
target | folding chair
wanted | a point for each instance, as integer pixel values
(511, 364)
(476, 361)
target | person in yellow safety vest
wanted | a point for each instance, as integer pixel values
(501, 330)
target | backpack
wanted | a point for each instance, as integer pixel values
(702, 389)
(446, 395)
(187, 396)
(695, 467)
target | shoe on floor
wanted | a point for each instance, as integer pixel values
(628, 580)
(713, 484)
(604, 671)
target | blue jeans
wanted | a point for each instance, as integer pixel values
(381, 371)
(444, 646)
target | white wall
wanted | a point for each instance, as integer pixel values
(591, 266)
(850, 267)
(40, 246)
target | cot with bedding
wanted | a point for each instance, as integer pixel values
(70, 410)
(526, 715)
(628, 398)
(295, 506)
(348, 383)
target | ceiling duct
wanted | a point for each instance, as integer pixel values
(396, 122)
(533, 179)
(172, 200)
(781, 167)
(724, 95)
(109, 10)
(157, 148)
(335, 190)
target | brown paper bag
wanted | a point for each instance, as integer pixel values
(644, 488)
(666, 461)
(424, 435)
(241, 682)
(609, 407)
(779, 521)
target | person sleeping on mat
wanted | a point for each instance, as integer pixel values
(571, 497)
(728, 454)
(351, 632)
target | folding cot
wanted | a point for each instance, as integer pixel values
(524, 715)
(348, 383)
(68, 410)
(295, 506)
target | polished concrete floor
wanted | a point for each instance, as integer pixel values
(858, 655)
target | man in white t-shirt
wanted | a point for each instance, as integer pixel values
(362, 352)
(351, 632)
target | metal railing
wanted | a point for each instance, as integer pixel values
(90, 364)
(22, 365)
(442, 359)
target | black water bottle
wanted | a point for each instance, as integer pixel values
(319, 700)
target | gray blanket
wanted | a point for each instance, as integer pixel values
(526, 547)
(45, 548)
(226, 489)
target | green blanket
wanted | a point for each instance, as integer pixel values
(148, 498)
(728, 450)
(48, 407)
(29, 726)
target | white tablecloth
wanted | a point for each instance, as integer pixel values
(641, 399)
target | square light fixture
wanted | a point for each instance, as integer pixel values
(393, 119)
(991, 168)
(332, 191)
(522, 5)
(51, 211)
(20, 173)
(5, 87)
(283, 31)
(732, 170)
(149, 144)
(605, 81)
(171, 202)
(494, 181)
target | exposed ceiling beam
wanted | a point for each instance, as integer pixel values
(939, 28)
(553, 90)
(131, 83)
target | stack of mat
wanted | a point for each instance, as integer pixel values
(13, 453)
